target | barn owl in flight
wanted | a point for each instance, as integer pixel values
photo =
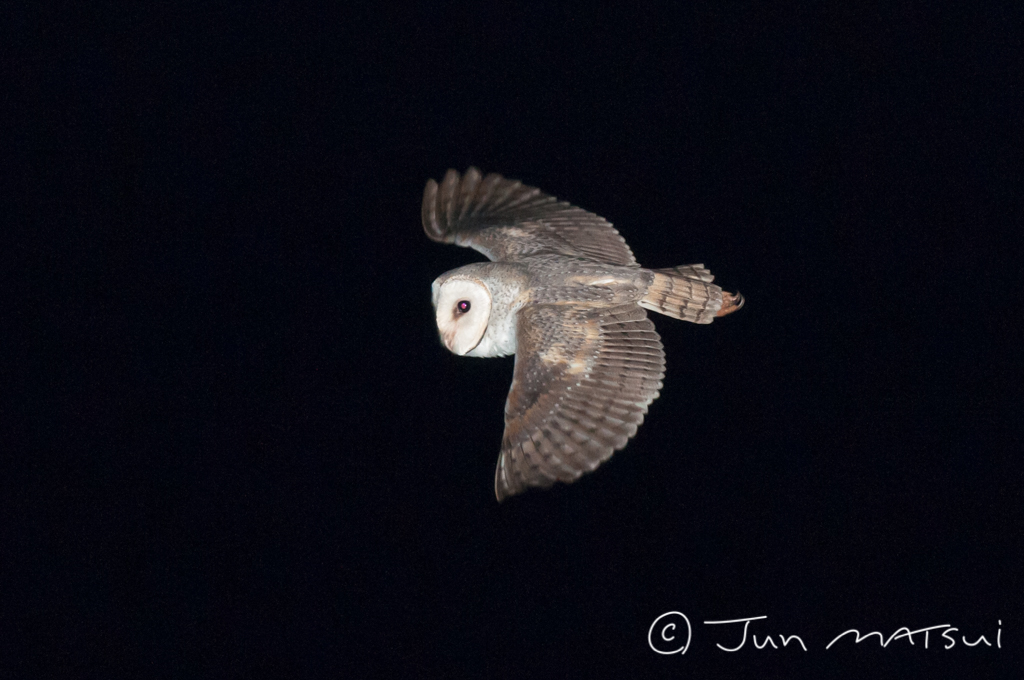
(563, 293)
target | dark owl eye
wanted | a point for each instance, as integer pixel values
(462, 306)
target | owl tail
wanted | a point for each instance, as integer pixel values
(687, 293)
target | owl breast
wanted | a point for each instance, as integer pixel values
(500, 338)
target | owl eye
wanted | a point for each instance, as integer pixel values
(462, 306)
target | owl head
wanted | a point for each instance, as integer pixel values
(462, 307)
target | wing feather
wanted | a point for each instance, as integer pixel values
(507, 220)
(583, 379)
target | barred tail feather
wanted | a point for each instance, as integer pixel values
(687, 293)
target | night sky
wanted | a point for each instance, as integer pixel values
(236, 445)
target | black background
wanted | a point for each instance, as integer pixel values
(235, 444)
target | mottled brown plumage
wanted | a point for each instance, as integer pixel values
(507, 221)
(583, 379)
(565, 294)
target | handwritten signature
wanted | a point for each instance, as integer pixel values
(671, 633)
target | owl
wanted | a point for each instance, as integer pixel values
(565, 295)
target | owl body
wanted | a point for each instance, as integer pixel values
(563, 293)
(543, 279)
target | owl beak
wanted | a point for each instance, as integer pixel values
(459, 348)
(449, 339)
(454, 346)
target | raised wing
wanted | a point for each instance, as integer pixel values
(583, 379)
(506, 220)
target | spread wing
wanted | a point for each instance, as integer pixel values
(584, 376)
(506, 220)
